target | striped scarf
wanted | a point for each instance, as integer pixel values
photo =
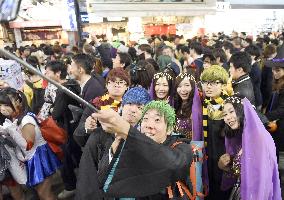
(212, 109)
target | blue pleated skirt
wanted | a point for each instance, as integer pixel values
(43, 164)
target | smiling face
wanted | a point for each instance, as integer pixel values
(278, 72)
(162, 88)
(154, 126)
(184, 89)
(230, 116)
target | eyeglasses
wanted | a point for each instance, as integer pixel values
(118, 83)
(211, 83)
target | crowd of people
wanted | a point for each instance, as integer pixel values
(157, 101)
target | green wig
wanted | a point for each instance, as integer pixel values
(164, 109)
(215, 73)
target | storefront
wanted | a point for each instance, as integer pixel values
(111, 30)
(37, 32)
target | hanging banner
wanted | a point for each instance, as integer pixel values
(11, 73)
(160, 30)
(69, 22)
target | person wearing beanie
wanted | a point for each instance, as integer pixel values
(95, 158)
(136, 95)
(214, 81)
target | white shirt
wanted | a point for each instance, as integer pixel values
(39, 140)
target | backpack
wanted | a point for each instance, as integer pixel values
(54, 135)
(38, 97)
(197, 187)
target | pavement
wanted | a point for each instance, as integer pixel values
(58, 185)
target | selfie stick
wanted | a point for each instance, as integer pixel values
(37, 72)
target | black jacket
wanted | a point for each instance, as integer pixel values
(255, 76)
(275, 111)
(266, 82)
(80, 135)
(243, 86)
(94, 87)
(61, 112)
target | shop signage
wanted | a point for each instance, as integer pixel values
(160, 30)
(41, 35)
(69, 22)
(84, 17)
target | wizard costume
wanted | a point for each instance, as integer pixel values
(95, 158)
(192, 123)
(143, 169)
(213, 134)
(259, 178)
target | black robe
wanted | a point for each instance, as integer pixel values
(145, 168)
(215, 149)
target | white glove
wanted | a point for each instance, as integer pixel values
(20, 154)
(13, 130)
(3, 131)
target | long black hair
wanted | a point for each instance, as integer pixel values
(142, 74)
(184, 110)
(8, 96)
(236, 101)
(170, 81)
